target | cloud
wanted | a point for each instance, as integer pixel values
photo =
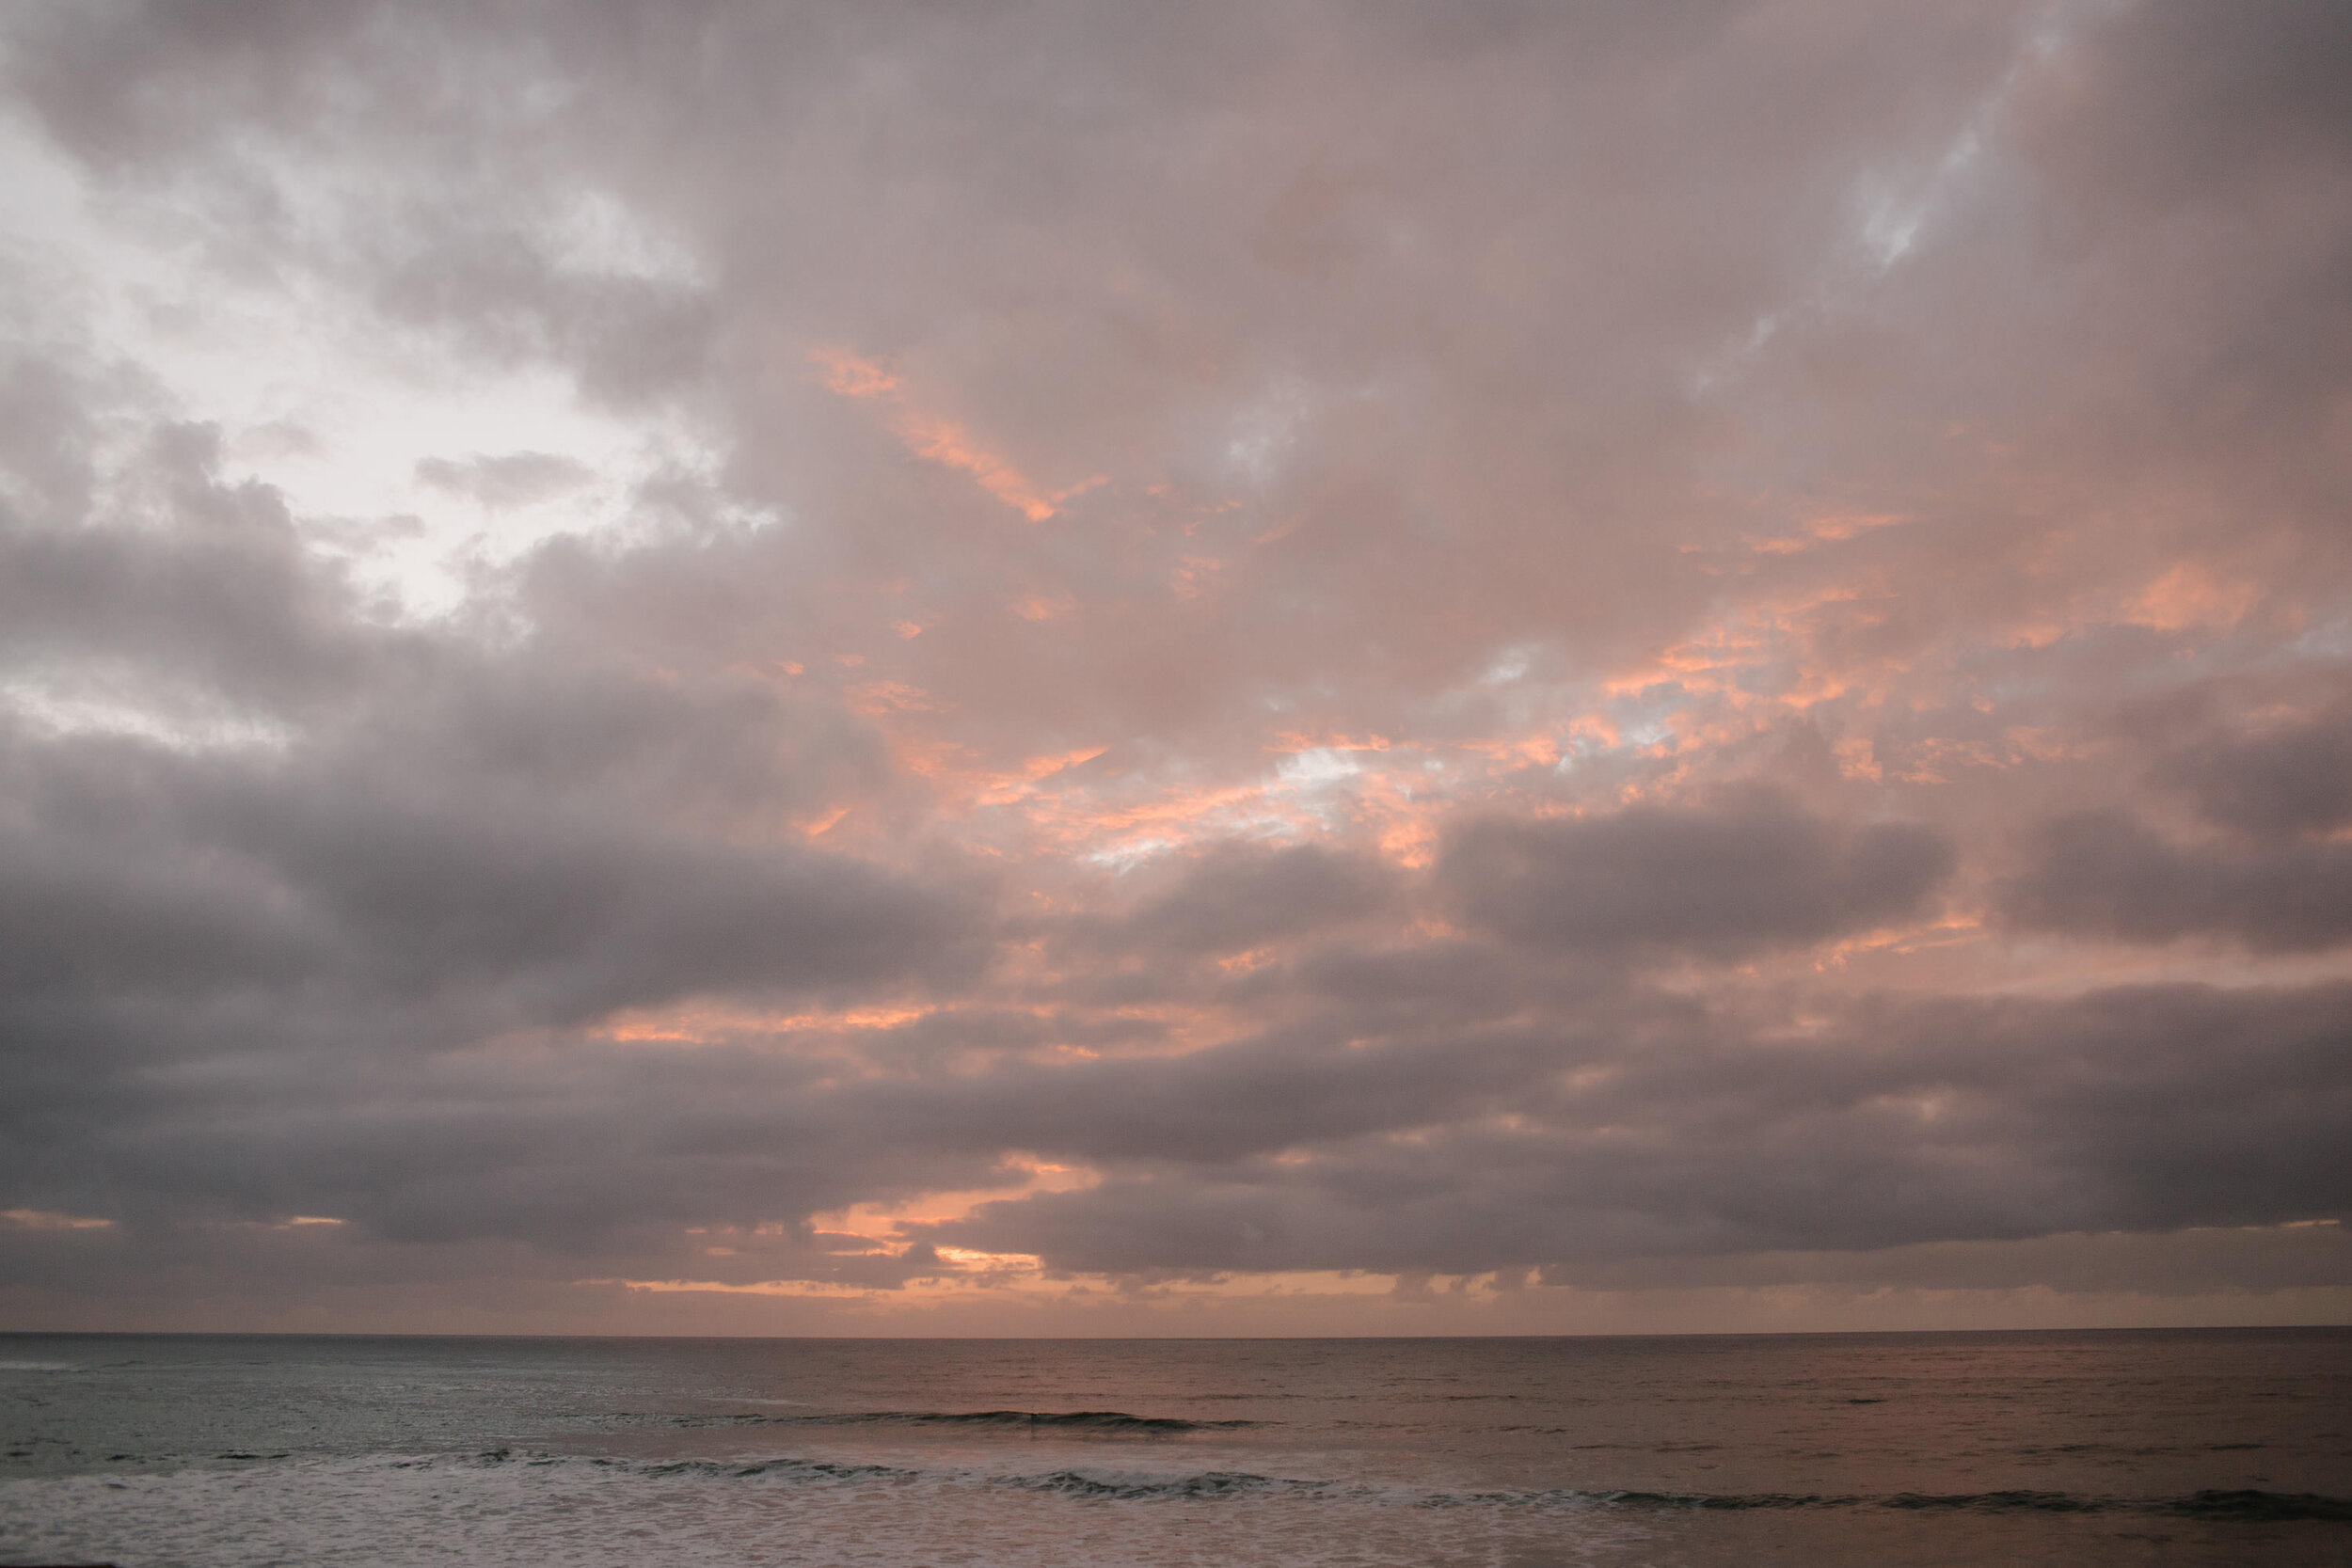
(262, 846)
(2278, 781)
(1676, 646)
(514, 479)
(2105, 874)
(1896, 1122)
(1236, 897)
(1751, 876)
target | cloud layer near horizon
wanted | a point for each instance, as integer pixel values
(919, 660)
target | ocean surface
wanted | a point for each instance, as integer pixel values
(2020, 1450)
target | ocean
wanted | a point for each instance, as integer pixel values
(2020, 1450)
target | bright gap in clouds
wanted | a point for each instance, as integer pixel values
(400, 450)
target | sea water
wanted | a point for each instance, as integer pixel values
(2021, 1449)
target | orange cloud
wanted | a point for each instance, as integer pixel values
(941, 441)
(699, 1023)
(875, 698)
(2189, 597)
(48, 1219)
(885, 1224)
(947, 443)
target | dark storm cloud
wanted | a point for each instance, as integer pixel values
(1756, 874)
(2105, 874)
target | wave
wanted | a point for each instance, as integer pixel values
(1206, 1484)
(1107, 1421)
(2248, 1505)
(787, 1470)
(1972, 1502)
(815, 1471)
(2213, 1505)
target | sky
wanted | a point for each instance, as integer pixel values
(1302, 667)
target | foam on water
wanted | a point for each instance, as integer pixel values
(575, 1511)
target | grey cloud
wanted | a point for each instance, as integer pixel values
(540, 729)
(1463, 379)
(1236, 897)
(2280, 781)
(1753, 875)
(1731, 362)
(511, 479)
(2193, 96)
(145, 80)
(629, 338)
(131, 865)
(195, 583)
(1440, 984)
(2137, 1110)
(2104, 873)
(2212, 1257)
(326, 846)
(1253, 1097)
(45, 433)
(1503, 288)
(582, 916)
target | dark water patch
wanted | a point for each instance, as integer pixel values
(1996, 1502)
(1708, 1501)
(2121, 1450)
(2262, 1506)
